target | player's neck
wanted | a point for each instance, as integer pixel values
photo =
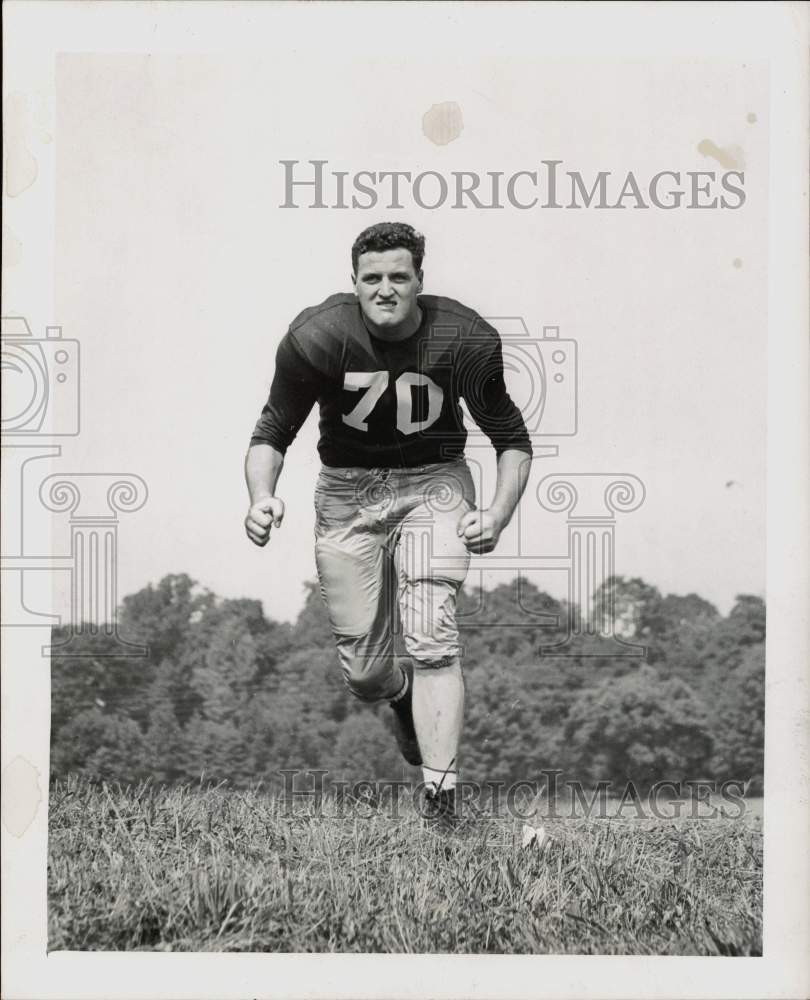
(392, 334)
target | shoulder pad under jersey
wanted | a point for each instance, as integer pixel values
(320, 332)
(449, 313)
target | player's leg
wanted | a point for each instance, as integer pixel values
(428, 591)
(438, 715)
(354, 572)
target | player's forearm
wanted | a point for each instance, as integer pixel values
(263, 466)
(513, 472)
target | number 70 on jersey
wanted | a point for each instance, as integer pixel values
(375, 384)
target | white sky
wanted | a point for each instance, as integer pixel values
(178, 273)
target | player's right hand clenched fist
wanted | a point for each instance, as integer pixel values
(264, 514)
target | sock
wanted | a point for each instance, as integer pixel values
(444, 780)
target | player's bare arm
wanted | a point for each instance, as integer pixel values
(481, 529)
(263, 466)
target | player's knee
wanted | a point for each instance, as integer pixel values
(450, 661)
(429, 618)
(369, 677)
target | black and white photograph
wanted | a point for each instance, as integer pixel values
(405, 540)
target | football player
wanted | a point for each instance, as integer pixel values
(396, 512)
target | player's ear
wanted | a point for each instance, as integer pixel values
(354, 282)
(420, 277)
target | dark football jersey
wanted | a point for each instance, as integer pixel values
(390, 404)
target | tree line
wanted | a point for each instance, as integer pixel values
(228, 694)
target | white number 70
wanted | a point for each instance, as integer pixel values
(376, 384)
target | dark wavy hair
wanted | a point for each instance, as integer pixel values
(389, 236)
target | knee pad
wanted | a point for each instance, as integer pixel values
(429, 621)
(370, 675)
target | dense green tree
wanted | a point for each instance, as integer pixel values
(739, 720)
(511, 621)
(217, 750)
(230, 694)
(91, 673)
(637, 607)
(747, 618)
(364, 750)
(102, 746)
(514, 713)
(312, 625)
(165, 740)
(160, 616)
(677, 612)
(637, 728)
(78, 683)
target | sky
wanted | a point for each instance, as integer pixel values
(178, 272)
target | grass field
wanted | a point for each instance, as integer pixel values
(193, 869)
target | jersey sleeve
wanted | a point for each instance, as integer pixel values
(293, 392)
(485, 393)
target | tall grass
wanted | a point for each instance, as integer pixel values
(215, 870)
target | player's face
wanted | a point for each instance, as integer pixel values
(387, 285)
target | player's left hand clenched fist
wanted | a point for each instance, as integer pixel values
(480, 531)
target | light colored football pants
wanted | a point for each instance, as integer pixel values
(377, 534)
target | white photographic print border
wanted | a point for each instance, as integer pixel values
(36, 32)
